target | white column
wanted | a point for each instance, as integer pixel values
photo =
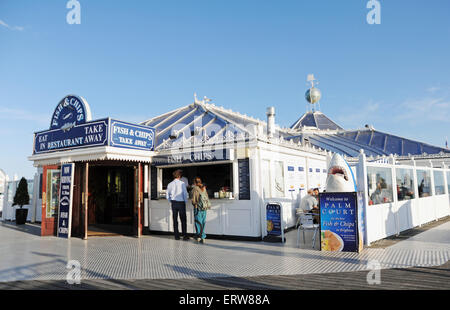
(395, 206)
(361, 172)
(433, 191)
(445, 179)
(416, 191)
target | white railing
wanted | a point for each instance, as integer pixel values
(387, 209)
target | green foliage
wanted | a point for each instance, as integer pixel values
(21, 197)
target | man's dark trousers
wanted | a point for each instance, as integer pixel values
(179, 207)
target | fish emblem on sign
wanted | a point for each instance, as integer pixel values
(72, 110)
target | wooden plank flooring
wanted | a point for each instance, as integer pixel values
(423, 278)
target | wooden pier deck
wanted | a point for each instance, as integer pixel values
(418, 278)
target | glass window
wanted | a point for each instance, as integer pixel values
(424, 183)
(278, 184)
(439, 183)
(217, 178)
(53, 182)
(380, 185)
(265, 170)
(405, 184)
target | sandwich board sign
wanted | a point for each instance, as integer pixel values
(274, 220)
(339, 222)
(65, 200)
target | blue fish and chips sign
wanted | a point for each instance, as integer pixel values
(79, 136)
(71, 128)
(133, 136)
(65, 200)
(339, 222)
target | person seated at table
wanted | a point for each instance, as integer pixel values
(309, 204)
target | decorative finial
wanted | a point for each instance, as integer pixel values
(313, 94)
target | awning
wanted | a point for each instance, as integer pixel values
(91, 154)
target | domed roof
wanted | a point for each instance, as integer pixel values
(317, 120)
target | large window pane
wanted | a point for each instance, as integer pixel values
(405, 184)
(439, 183)
(424, 183)
(380, 185)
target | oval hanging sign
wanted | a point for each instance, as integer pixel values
(71, 111)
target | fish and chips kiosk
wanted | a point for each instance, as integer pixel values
(241, 162)
(93, 172)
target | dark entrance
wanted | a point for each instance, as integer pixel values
(110, 200)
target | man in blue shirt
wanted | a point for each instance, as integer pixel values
(178, 196)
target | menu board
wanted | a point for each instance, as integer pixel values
(291, 178)
(65, 200)
(301, 177)
(273, 219)
(244, 179)
(339, 222)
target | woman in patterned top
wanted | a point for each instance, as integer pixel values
(201, 203)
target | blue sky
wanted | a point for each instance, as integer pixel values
(133, 60)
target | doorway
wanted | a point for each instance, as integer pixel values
(110, 200)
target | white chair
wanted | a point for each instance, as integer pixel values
(305, 221)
